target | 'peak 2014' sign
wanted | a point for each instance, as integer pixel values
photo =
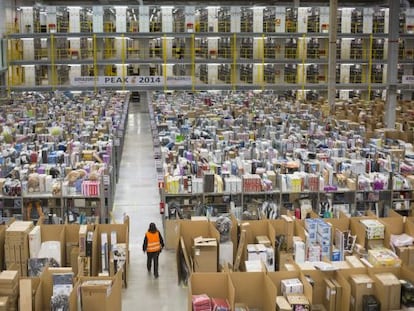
(128, 81)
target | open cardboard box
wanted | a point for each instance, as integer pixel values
(121, 235)
(188, 231)
(55, 233)
(233, 236)
(100, 299)
(358, 229)
(393, 226)
(255, 289)
(342, 277)
(215, 285)
(72, 242)
(255, 228)
(383, 293)
(277, 277)
(46, 279)
(284, 226)
(318, 287)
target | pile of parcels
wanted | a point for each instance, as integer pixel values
(369, 265)
(63, 267)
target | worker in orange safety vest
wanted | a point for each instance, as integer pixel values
(153, 245)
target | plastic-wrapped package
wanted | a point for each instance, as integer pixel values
(399, 240)
(223, 225)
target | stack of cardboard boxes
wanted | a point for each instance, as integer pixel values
(9, 289)
(17, 246)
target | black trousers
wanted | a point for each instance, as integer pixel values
(153, 256)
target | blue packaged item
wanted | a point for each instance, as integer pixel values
(52, 158)
(78, 185)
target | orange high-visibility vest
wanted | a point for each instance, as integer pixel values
(153, 242)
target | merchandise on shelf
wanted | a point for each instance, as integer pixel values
(56, 146)
(255, 146)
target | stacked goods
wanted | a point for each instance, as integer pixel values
(9, 288)
(85, 251)
(44, 154)
(17, 245)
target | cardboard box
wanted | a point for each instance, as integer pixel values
(35, 240)
(361, 284)
(94, 294)
(215, 285)
(388, 289)
(329, 299)
(83, 229)
(291, 286)
(205, 254)
(338, 297)
(263, 253)
(188, 231)
(298, 302)
(406, 255)
(102, 298)
(254, 266)
(264, 299)
(55, 233)
(282, 304)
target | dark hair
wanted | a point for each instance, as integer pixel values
(152, 228)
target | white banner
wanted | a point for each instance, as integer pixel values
(408, 79)
(129, 81)
(179, 80)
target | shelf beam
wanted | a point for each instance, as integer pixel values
(333, 25)
(392, 64)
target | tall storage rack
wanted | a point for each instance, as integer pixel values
(200, 48)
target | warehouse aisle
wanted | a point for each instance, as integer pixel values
(137, 196)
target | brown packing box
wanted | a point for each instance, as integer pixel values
(245, 285)
(298, 300)
(94, 296)
(388, 288)
(361, 284)
(214, 285)
(282, 304)
(406, 254)
(99, 298)
(205, 253)
(55, 233)
(329, 299)
(8, 277)
(338, 288)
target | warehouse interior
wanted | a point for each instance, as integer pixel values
(271, 142)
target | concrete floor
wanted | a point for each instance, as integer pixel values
(137, 196)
